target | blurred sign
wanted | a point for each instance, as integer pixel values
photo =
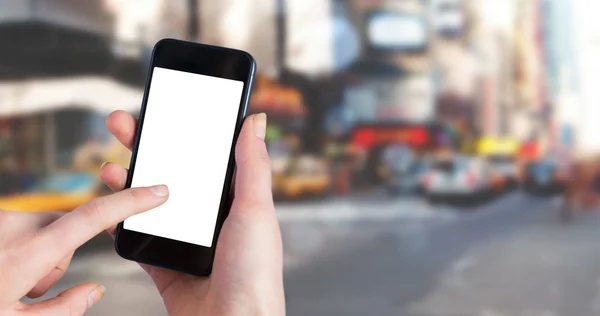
(273, 133)
(346, 40)
(369, 136)
(448, 18)
(93, 93)
(90, 16)
(529, 150)
(496, 146)
(277, 100)
(396, 31)
(406, 99)
(566, 135)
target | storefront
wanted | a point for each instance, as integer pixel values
(22, 143)
(44, 121)
(390, 100)
(56, 94)
(417, 140)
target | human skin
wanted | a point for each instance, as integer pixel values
(247, 277)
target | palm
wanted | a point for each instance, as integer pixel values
(183, 294)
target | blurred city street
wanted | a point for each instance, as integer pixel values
(403, 257)
(380, 113)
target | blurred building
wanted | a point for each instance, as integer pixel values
(586, 32)
(56, 84)
(561, 70)
(531, 90)
(491, 39)
(71, 38)
(395, 82)
(219, 24)
(332, 74)
(458, 68)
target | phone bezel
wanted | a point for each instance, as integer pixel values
(205, 60)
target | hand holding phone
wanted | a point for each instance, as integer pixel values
(190, 123)
(248, 265)
(195, 101)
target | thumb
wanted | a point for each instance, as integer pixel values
(249, 250)
(74, 301)
(253, 175)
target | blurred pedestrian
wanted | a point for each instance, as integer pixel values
(247, 279)
(580, 188)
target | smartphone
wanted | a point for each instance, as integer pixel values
(194, 104)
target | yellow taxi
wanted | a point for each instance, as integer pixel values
(498, 146)
(501, 155)
(304, 176)
(57, 193)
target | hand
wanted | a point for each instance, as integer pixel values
(247, 277)
(36, 248)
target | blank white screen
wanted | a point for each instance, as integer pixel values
(185, 143)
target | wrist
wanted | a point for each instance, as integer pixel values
(255, 309)
(255, 306)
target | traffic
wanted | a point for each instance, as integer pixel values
(438, 174)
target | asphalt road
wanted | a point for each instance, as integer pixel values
(511, 257)
(377, 256)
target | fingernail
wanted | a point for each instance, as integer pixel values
(103, 164)
(160, 190)
(96, 295)
(260, 125)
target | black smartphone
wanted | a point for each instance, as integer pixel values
(194, 104)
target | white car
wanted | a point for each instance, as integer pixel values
(506, 167)
(459, 176)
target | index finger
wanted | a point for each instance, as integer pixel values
(123, 126)
(74, 229)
